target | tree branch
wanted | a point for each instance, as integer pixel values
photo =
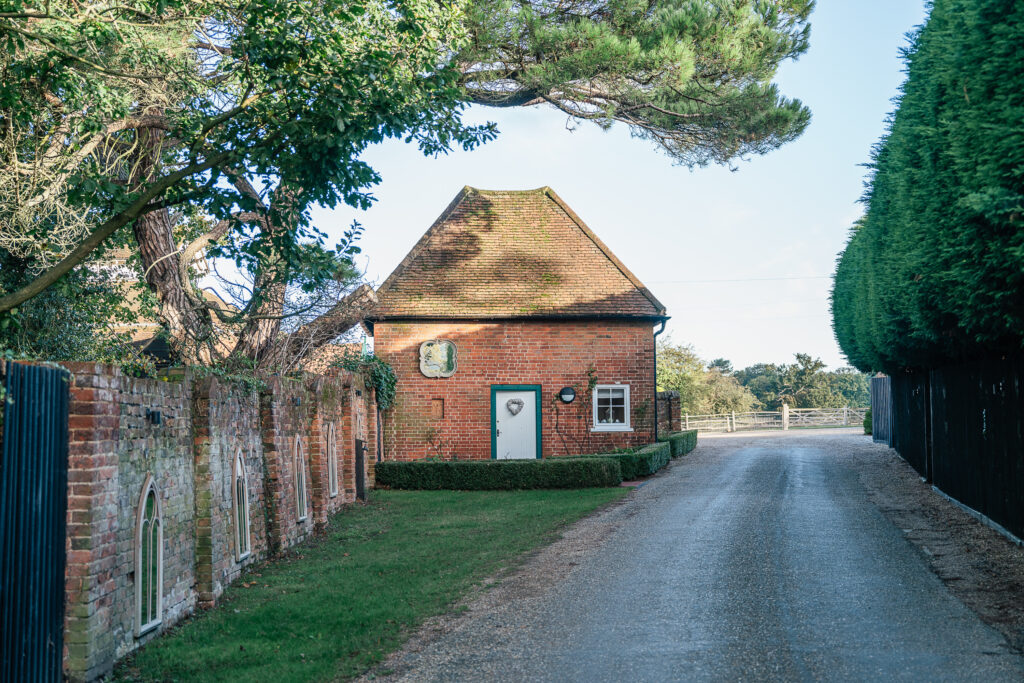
(133, 211)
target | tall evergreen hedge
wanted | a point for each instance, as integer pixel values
(934, 272)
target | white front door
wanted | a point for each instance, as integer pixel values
(515, 425)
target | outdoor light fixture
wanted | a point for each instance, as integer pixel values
(153, 416)
(567, 394)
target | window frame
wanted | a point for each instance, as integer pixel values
(241, 516)
(626, 426)
(301, 495)
(332, 461)
(149, 488)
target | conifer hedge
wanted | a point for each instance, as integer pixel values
(934, 272)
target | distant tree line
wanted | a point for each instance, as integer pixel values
(934, 272)
(715, 387)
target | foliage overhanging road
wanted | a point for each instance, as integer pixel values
(756, 558)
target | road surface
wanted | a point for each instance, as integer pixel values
(755, 558)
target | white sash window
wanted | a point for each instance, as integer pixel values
(611, 408)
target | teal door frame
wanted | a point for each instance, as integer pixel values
(495, 388)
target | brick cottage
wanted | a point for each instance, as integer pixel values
(515, 333)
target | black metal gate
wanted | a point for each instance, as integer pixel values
(33, 503)
(360, 469)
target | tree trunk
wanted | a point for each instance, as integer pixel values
(189, 328)
(287, 352)
(261, 331)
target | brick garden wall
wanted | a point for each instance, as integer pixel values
(226, 420)
(340, 402)
(114, 449)
(670, 417)
(117, 445)
(552, 354)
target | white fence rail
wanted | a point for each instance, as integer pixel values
(787, 418)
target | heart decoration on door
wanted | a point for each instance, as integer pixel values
(514, 405)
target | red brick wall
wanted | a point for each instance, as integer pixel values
(226, 422)
(552, 354)
(114, 448)
(284, 408)
(333, 399)
(669, 414)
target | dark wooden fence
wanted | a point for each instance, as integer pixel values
(910, 420)
(33, 505)
(962, 429)
(881, 410)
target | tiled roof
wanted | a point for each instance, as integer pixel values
(512, 254)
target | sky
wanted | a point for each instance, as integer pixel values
(741, 258)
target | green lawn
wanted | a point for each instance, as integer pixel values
(335, 606)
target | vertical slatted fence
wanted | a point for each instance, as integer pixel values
(978, 438)
(33, 503)
(881, 410)
(962, 428)
(910, 414)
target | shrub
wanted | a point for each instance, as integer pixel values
(655, 456)
(681, 442)
(867, 422)
(555, 473)
(640, 463)
(630, 464)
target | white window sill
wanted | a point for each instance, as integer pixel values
(151, 626)
(612, 428)
(244, 555)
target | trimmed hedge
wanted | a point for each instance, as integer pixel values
(655, 456)
(465, 475)
(933, 273)
(641, 463)
(681, 442)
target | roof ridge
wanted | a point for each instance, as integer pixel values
(537, 190)
(605, 250)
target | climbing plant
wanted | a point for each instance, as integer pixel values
(379, 374)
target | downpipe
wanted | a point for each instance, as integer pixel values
(660, 330)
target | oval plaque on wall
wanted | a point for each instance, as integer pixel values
(438, 358)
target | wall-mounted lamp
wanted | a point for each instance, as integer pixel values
(296, 401)
(153, 416)
(567, 395)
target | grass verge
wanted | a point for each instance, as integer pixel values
(337, 605)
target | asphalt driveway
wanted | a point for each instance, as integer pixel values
(755, 558)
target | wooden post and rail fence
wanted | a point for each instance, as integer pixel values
(787, 418)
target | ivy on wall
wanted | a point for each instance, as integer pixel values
(379, 374)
